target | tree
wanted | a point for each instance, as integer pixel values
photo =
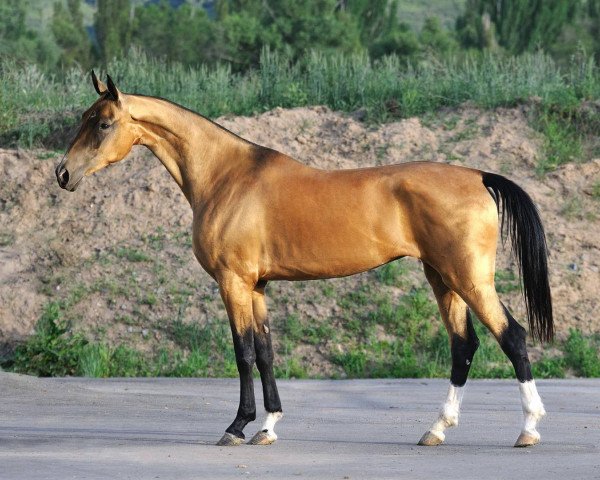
(373, 17)
(113, 28)
(18, 42)
(69, 32)
(290, 26)
(400, 40)
(593, 14)
(184, 34)
(435, 38)
(303, 25)
(516, 25)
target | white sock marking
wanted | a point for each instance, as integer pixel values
(269, 425)
(448, 416)
(533, 408)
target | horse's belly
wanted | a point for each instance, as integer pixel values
(333, 247)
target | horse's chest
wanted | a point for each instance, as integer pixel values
(219, 243)
(205, 247)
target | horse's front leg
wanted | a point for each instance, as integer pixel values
(237, 296)
(264, 361)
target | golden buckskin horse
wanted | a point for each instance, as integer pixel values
(260, 215)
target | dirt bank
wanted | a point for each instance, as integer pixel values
(119, 248)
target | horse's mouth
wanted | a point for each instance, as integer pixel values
(72, 188)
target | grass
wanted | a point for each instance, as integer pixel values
(596, 190)
(391, 273)
(380, 331)
(392, 339)
(572, 208)
(6, 239)
(132, 254)
(41, 109)
(506, 281)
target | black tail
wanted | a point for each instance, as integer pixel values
(521, 221)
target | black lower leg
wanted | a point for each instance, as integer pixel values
(463, 350)
(513, 344)
(264, 362)
(245, 357)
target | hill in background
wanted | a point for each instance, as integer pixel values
(113, 260)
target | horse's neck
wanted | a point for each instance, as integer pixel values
(195, 151)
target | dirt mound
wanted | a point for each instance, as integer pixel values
(118, 250)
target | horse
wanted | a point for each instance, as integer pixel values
(260, 216)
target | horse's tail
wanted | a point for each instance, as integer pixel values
(521, 221)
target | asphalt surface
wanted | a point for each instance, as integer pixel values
(166, 429)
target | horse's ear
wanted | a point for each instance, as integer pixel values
(98, 84)
(112, 89)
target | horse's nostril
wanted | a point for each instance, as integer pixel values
(63, 177)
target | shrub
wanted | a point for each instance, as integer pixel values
(52, 350)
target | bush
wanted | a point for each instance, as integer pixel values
(581, 354)
(412, 345)
(52, 350)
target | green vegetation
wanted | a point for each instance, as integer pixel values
(132, 255)
(596, 190)
(62, 33)
(506, 281)
(379, 338)
(517, 26)
(54, 350)
(391, 273)
(386, 58)
(36, 110)
(250, 56)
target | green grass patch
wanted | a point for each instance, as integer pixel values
(506, 281)
(391, 273)
(53, 350)
(572, 208)
(563, 140)
(394, 339)
(596, 190)
(132, 254)
(418, 346)
(6, 239)
(41, 109)
(581, 354)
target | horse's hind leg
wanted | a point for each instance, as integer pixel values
(463, 342)
(483, 300)
(514, 346)
(264, 362)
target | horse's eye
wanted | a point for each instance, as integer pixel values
(104, 126)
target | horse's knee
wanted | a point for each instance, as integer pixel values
(246, 360)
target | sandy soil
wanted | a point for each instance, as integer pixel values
(51, 241)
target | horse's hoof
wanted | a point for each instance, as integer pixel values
(263, 438)
(229, 440)
(527, 440)
(430, 439)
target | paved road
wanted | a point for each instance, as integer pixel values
(165, 429)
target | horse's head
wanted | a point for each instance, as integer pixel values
(105, 136)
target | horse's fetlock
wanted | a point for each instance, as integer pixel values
(450, 415)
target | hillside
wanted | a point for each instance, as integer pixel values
(116, 254)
